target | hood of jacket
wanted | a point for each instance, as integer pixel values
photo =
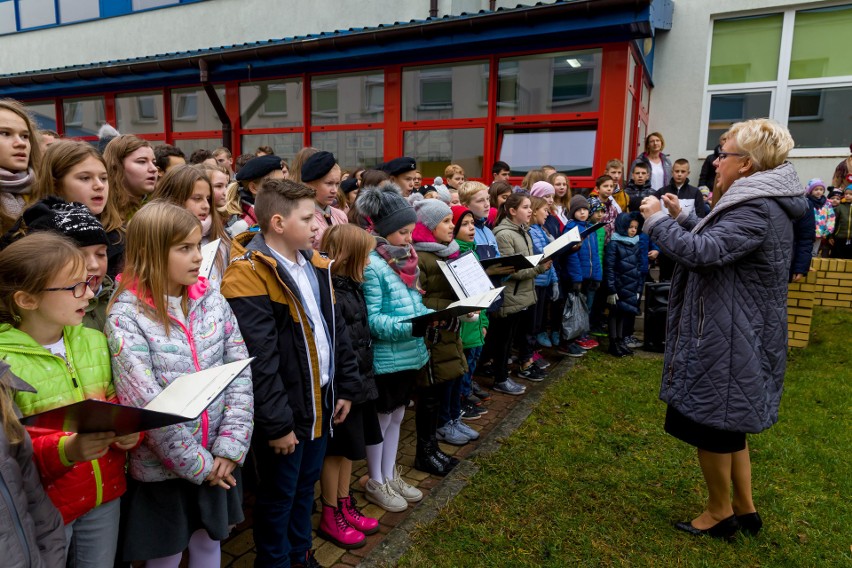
(781, 184)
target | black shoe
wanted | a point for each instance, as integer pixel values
(486, 370)
(623, 345)
(750, 523)
(480, 392)
(531, 373)
(428, 461)
(469, 412)
(615, 348)
(308, 562)
(725, 528)
(448, 460)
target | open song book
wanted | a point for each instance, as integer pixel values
(181, 401)
(520, 262)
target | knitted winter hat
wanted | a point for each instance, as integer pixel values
(70, 219)
(459, 211)
(385, 209)
(542, 189)
(813, 184)
(577, 202)
(349, 184)
(430, 212)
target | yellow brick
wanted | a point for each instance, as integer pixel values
(844, 276)
(801, 335)
(803, 320)
(797, 327)
(835, 304)
(807, 287)
(831, 281)
(807, 304)
(800, 295)
(846, 297)
(799, 312)
(797, 343)
(825, 296)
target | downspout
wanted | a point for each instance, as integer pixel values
(217, 104)
(433, 8)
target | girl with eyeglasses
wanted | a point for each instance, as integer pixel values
(44, 293)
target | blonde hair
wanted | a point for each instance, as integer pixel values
(349, 246)
(154, 229)
(13, 106)
(233, 205)
(29, 264)
(537, 203)
(648, 141)
(531, 177)
(470, 188)
(178, 185)
(206, 168)
(57, 161)
(764, 141)
(119, 148)
(565, 200)
(15, 433)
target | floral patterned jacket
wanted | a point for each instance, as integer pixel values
(145, 359)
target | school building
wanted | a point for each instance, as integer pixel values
(570, 83)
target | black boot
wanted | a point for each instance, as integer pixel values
(615, 348)
(448, 460)
(427, 460)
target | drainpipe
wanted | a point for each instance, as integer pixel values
(217, 104)
(433, 8)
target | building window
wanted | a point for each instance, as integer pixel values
(271, 104)
(44, 114)
(284, 145)
(146, 4)
(441, 92)
(549, 83)
(434, 149)
(192, 110)
(140, 113)
(83, 117)
(353, 98)
(78, 10)
(352, 148)
(569, 151)
(36, 13)
(748, 77)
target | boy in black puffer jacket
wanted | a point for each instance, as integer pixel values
(639, 186)
(624, 279)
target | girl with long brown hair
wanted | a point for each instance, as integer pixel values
(19, 158)
(132, 172)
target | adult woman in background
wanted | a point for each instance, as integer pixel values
(726, 348)
(659, 164)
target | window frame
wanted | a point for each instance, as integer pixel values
(781, 88)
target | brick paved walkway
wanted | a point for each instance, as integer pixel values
(238, 550)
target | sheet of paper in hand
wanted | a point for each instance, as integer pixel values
(208, 256)
(466, 275)
(183, 400)
(461, 307)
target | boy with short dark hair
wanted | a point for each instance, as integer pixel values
(166, 157)
(500, 171)
(639, 186)
(304, 373)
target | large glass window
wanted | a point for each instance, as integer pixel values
(44, 114)
(352, 148)
(83, 117)
(549, 83)
(745, 50)
(284, 145)
(820, 118)
(77, 10)
(434, 150)
(569, 151)
(726, 109)
(145, 4)
(271, 104)
(440, 92)
(821, 43)
(35, 13)
(190, 146)
(192, 111)
(348, 99)
(140, 113)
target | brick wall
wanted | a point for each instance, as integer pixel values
(829, 284)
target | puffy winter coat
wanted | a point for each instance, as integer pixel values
(726, 347)
(686, 194)
(278, 332)
(803, 245)
(146, 359)
(623, 265)
(337, 217)
(585, 264)
(823, 216)
(75, 488)
(637, 193)
(541, 239)
(389, 303)
(520, 287)
(32, 534)
(843, 221)
(353, 310)
(446, 355)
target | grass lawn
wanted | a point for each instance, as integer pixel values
(591, 479)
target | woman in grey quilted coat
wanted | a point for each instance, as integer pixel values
(726, 340)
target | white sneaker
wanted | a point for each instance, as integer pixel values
(401, 487)
(384, 496)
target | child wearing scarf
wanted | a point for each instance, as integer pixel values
(19, 156)
(439, 401)
(624, 280)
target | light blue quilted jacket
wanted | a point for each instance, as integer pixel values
(389, 303)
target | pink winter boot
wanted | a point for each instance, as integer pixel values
(353, 516)
(334, 528)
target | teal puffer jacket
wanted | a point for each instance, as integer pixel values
(389, 303)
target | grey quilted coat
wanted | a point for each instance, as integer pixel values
(726, 339)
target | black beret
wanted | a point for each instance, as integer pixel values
(399, 166)
(317, 166)
(349, 184)
(258, 167)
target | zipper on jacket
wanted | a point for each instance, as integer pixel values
(333, 350)
(205, 420)
(69, 363)
(16, 519)
(700, 318)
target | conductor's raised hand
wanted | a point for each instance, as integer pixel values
(650, 205)
(672, 203)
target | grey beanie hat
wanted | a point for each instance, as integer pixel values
(430, 212)
(385, 209)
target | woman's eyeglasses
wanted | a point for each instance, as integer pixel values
(723, 155)
(78, 289)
